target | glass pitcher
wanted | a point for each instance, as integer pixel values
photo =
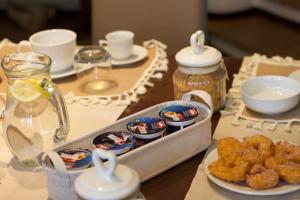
(35, 116)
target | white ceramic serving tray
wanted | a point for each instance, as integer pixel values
(166, 152)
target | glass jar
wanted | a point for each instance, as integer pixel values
(200, 67)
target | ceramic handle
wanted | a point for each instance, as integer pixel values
(56, 160)
(197, 41)
(23, 43)
(106, 172)
(200, 93)
(103, 43)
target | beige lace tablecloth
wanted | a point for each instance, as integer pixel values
(204, 189)
(87, 114)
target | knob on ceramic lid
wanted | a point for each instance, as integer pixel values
(107, 181)
(198, 54)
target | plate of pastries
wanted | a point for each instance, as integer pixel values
(256, 165)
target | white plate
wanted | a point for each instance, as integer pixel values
(244, 189)
(295, 75)
(68, 72)
(139, 53)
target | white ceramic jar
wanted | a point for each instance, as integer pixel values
(109, 181)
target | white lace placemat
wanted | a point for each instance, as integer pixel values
(158, 64)
(235, 105)
(233, 124)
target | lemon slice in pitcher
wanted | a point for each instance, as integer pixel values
(27, 90)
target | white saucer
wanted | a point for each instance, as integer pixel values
(295, 75)
(139, 53)
(68, 72)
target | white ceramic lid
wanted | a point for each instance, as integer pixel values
(198, 54)
(107, 181)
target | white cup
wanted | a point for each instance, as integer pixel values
(58, 44)
(119, 44)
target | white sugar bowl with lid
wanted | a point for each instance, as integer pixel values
(200, 67)
(108, 181)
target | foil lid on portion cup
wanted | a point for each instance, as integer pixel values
(117, 142)
(147, 127)
(76, 159)
(179, 115)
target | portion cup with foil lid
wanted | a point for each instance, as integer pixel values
(118, 142)
(179, 116)
(146, 128)
(76, 159)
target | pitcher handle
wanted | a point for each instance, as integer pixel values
(2, 107)
(63, 117)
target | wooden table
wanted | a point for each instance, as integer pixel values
(174, 183)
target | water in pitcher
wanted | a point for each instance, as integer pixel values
(35, 118)
(29, 126)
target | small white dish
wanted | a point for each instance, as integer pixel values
(139, 53)
(244, 189)
(295, 75)
(270, 94)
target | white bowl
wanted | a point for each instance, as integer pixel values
(270, 94)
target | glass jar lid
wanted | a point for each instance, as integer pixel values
(107, 181)
(198, 54)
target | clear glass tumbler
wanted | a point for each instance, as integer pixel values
(99, 60)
